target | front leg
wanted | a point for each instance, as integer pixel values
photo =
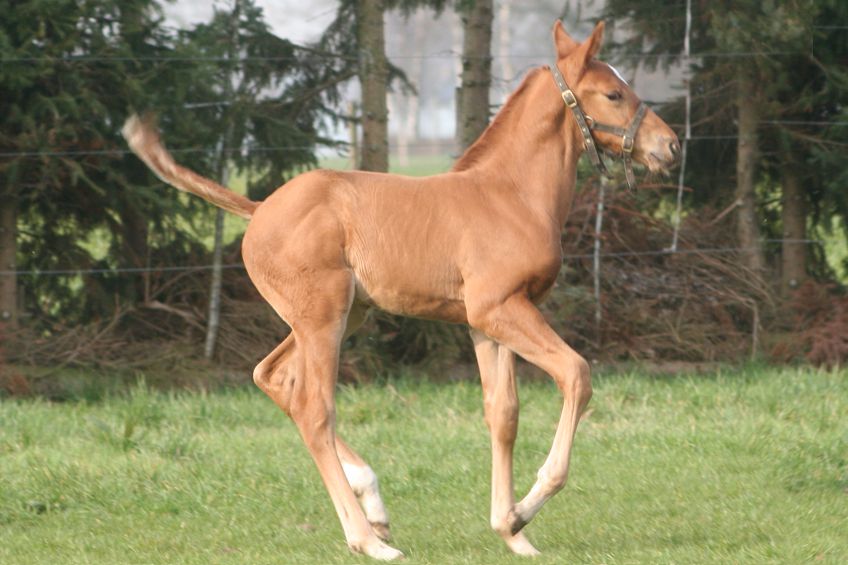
(517, 324)
(500, 404)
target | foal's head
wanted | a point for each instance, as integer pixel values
(607, 98)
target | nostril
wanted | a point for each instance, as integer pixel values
(674, 147)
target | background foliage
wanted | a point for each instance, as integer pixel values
(227, 90)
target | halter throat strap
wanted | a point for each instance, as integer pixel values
(587, 124)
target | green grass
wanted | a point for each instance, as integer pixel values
(743, 466)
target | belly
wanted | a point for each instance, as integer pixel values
(416, 292)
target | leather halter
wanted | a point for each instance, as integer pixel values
(587, 124)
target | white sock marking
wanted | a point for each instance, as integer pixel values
(363, 481)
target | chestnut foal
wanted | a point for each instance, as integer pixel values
(479, 245)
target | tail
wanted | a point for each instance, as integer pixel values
(144, 141)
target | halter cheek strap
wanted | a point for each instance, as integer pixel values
(587, 124)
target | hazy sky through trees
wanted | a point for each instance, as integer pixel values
(427, 48)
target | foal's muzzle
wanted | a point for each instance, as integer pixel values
(667, 153)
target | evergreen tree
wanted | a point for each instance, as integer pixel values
(70, 70)
(260, 97)
(753, 77)
(70, 74)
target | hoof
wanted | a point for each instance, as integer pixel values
(382, 530)
(520, 545)
(385, 552)
(378, 550)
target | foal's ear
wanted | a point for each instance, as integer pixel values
(589, 48)
(562, 41)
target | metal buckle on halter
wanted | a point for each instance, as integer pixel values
(569, 98)
(627, 143)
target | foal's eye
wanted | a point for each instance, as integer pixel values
(614, 95)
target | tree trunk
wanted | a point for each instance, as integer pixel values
(476, 72)
(8, 251)
(353, 136)
(747, 222)
(505, 39)
(794, 216)
(373, 78)
(214, 320)
(135, 243)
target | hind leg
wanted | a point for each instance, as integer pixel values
(300, 376)
(360, 475)
(363, 481)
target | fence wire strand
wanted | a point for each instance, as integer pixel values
(231, 266)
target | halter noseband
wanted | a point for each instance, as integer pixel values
(587, 124)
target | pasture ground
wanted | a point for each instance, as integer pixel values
(739, 466)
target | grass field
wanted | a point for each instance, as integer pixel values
(741, 466)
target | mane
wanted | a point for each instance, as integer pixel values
(480, 147)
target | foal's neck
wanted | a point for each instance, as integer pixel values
(530, 147)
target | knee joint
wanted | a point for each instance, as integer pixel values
(501, 414)
(505, 428)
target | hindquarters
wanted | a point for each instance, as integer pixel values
(293, 251)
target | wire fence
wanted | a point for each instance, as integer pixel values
(423, 145)
(419, 145)
(565, 257)
(676, 248)
(313, 55)
(443, 54)
(318, 55)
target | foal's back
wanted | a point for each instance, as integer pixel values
(391, 232)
